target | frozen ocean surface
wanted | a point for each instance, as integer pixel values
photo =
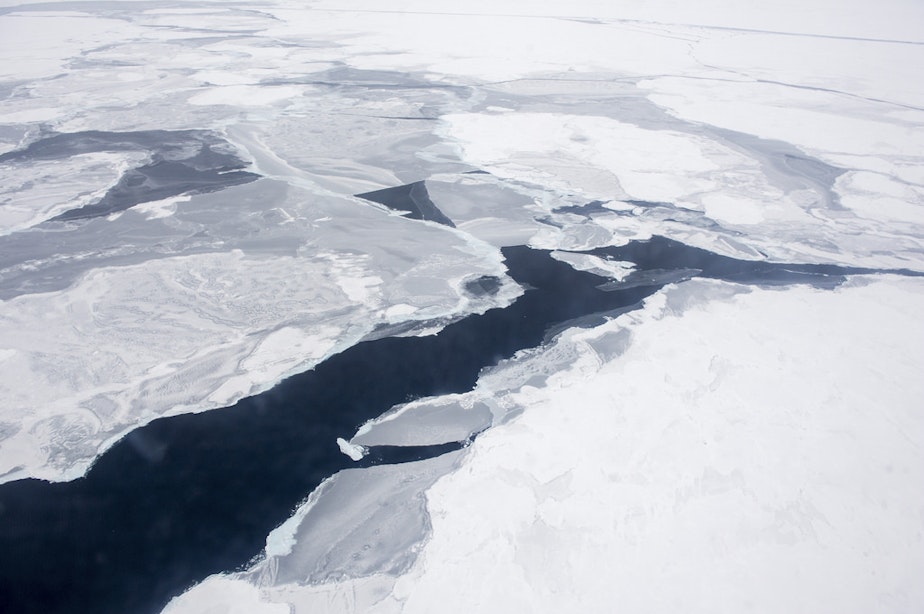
(355, 307)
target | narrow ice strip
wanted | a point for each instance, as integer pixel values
(614, 269)
(428, 421)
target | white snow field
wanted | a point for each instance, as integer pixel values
(723, 448)
(748, 451)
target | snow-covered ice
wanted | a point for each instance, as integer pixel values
(747, 449)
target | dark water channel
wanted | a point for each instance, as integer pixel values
(181, 162)
(188, 496)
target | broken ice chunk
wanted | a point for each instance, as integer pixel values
(355, 452)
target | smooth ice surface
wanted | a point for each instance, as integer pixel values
(427, 421)
(345, 531)
(342, 533)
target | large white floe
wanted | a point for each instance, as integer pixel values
(748, 453)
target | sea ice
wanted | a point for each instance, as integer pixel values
(746, 447)
(188, 333)
(699, 468)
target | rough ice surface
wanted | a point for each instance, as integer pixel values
(745, 448)
(353, 450)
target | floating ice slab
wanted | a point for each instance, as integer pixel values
(427, 422)
(48, 188)
(345, 531)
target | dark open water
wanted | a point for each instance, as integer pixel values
(188, 496)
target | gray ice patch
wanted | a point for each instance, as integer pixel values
(348, 78)
(486, 285)
(786, 166)
(49, 257)
(651, 277)
(474, 197)
(588, 209)
(181, 162)
(359, 523)
(426, 422)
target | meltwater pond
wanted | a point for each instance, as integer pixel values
(192, 495)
